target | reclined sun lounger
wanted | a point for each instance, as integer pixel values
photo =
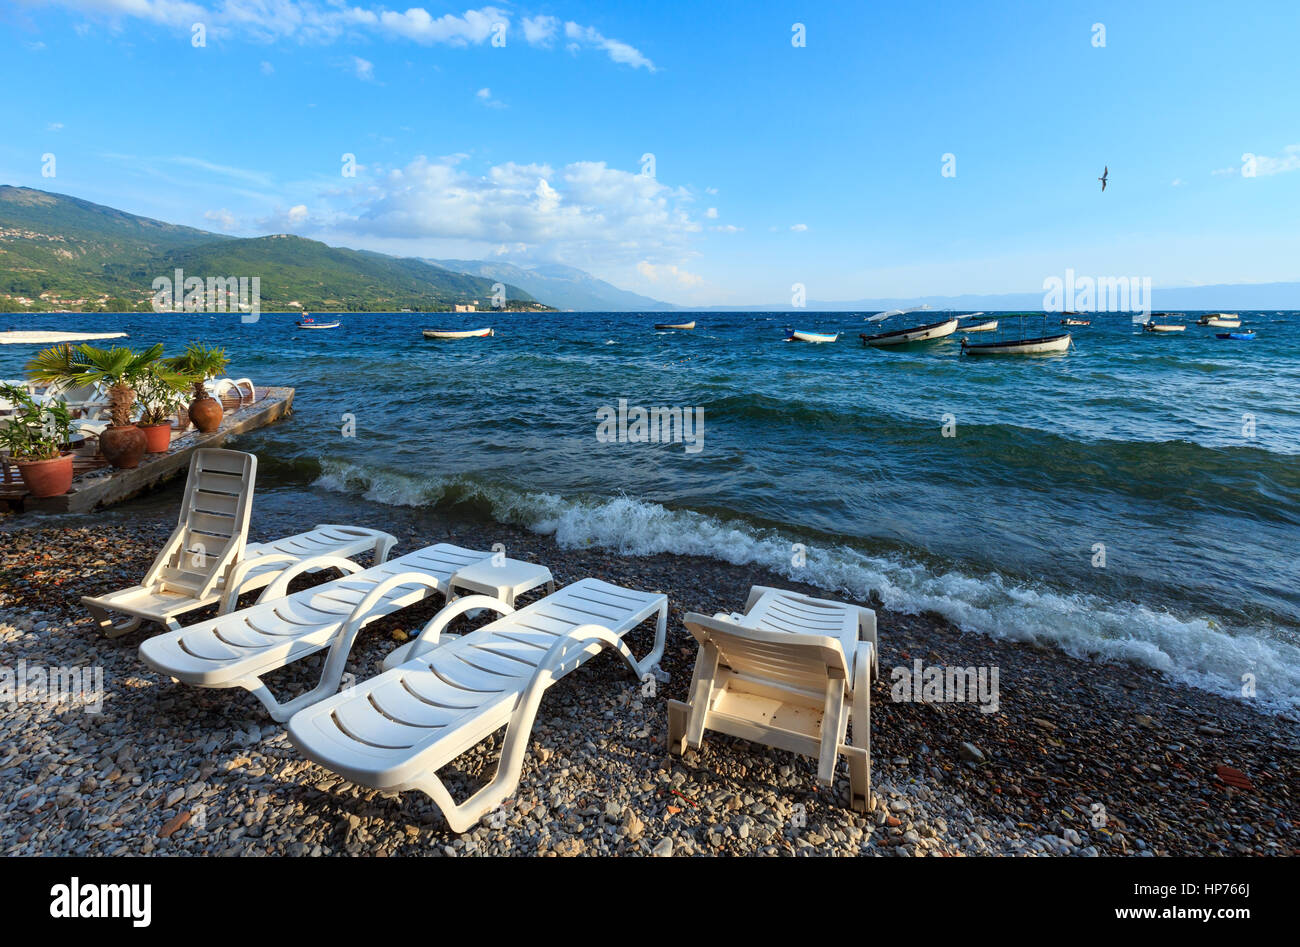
(235, 650)
(788, 673)
(207, 558)
(394, 731)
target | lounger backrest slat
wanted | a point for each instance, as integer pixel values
(796, 660)
(212, 528)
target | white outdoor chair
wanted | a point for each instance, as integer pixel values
(207, 560)
(236, 649)
(395, 731)
(787, 673)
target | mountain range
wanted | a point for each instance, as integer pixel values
(61, 252)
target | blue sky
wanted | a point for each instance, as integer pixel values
(773, 164)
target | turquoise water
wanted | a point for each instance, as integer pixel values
(1179, 454)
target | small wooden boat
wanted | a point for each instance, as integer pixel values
(1245, 336)
(1220, 320)
(989, 326)
(1042, 345)
(925, 333)
(675, 325)
(1152, 326)
(1076, 322)
(457, 333)
(793, 335)
(307, 322)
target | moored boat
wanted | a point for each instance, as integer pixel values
(990, 326)
(307, 322)
(1076, 322)
(1162, 327)
(1245, 336)
(457, 333)
(1220, 320)
(794, 335)
(1042, 345)
(925, 333)
(677, 325)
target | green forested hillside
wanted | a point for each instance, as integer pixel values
(60, 252)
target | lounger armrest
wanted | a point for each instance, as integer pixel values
(280, 587)
(427, 639)
(238, 575)
(341, 645)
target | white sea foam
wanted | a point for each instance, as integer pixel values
(1191, 649)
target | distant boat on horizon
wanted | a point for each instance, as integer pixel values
(307, 322)
(675, 325)
(1220, 320)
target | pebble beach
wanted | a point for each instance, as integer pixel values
(1080, 758)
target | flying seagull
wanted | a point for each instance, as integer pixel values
(1104, 173)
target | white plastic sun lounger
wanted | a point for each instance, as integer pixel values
(395, 731)
(207, 559)
(787, 673)
(235, 650)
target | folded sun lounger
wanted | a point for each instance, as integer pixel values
(394, 731)
(235, 650)
(788, 673)
(207, 558)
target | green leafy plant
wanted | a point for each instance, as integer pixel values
(116, 369)
(34, 431)
(200, 363)
(161, 390)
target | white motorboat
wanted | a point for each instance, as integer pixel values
(925, 333)
(793, 335)
(1221, 320)
(1042, 345)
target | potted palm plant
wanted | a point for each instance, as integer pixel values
(35, 436)
(116, 370)
(160, 391)
(201, 363)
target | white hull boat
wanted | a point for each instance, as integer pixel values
(457, 333)
(1162, 327)
(679, 325)
(926, 333)
(990, 326)
(797, 336)
(1221, 320)
(1043, 345)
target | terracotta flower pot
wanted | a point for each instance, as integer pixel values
(206, 414)
(47, 478)
(157, 437)
(122, 446)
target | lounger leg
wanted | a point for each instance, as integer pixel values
(104, 622)
(701, 694)
(859, 778)
(678, 713)
(832, 730)
(382, 548)
(860, 783)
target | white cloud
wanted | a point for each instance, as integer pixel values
(710, 190)
(54, 127)
(223, 218)
(798, 228)
(1176, 182)
(267, 68)
(322, 21)
(540, 30)
(727, 228)
(298, 214)
(583, 211)
(364, 69)
(668, 273)
(617, 49)
(1289, 161)
(484, 95)
(711, 213)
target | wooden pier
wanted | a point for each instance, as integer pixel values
(96, 484)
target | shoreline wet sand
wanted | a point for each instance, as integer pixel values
(1080, 758)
